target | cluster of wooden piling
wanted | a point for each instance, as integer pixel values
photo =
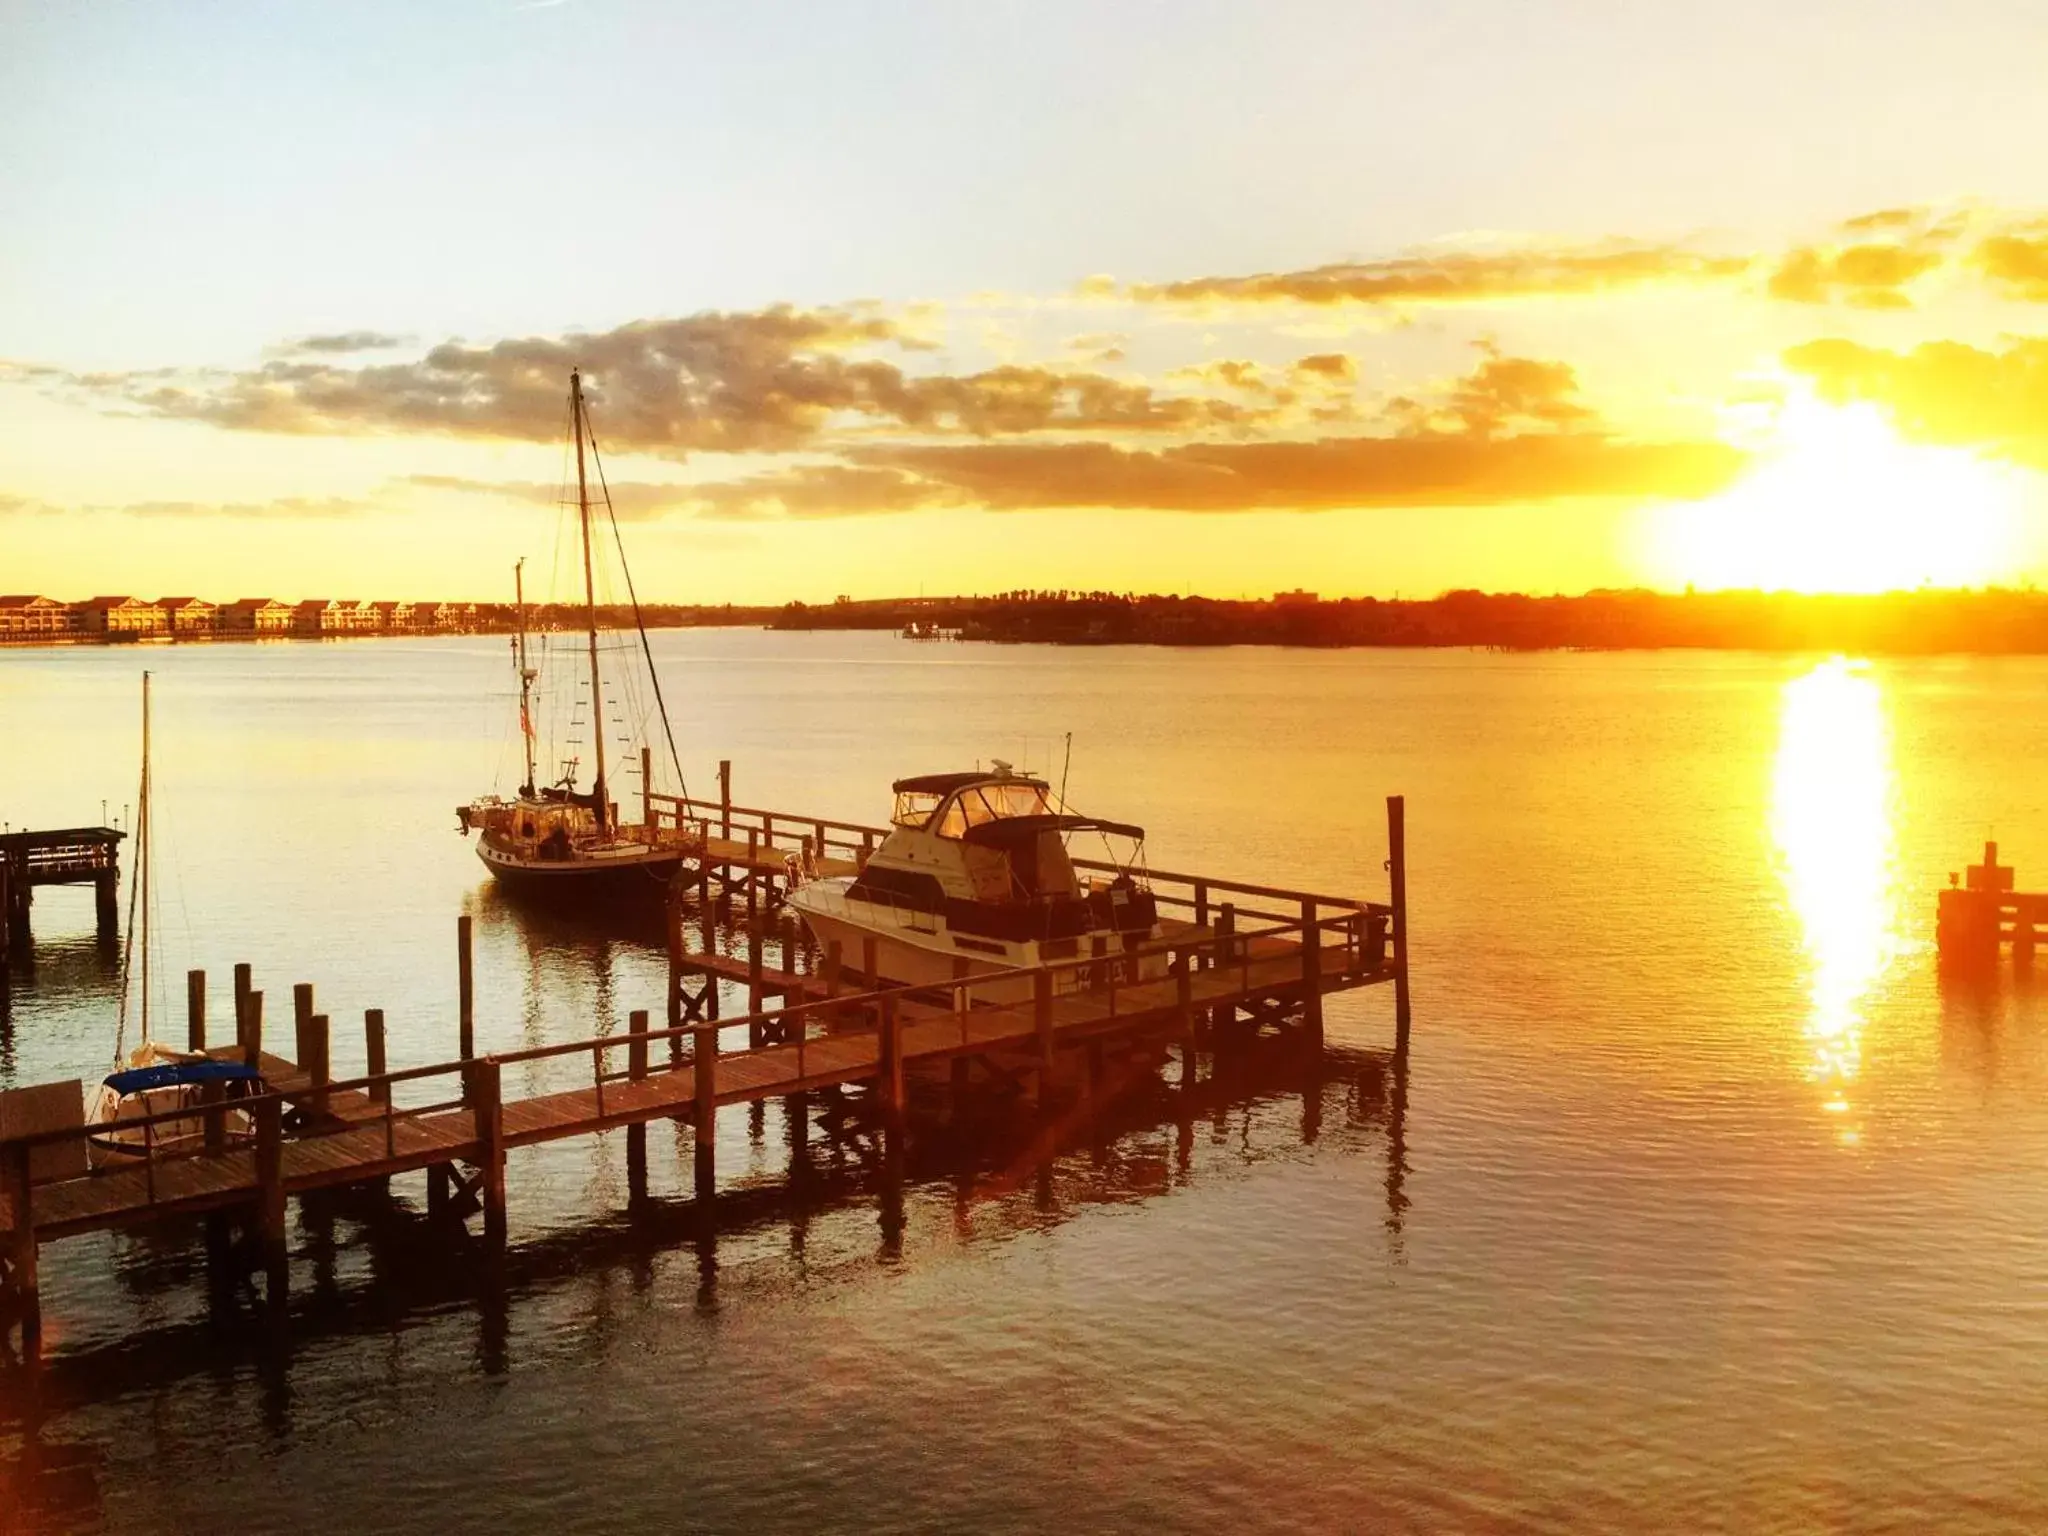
(1244, 957)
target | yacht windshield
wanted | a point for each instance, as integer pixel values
(914, 808)
(993, 802)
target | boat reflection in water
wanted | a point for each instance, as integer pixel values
(1832, 813)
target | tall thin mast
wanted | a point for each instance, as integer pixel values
(142, 857)
(589, 604)
(525, 675)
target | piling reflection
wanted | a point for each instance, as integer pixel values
(1832, 815)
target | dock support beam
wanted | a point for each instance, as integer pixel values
(1311, 970)
(725, 798)
(1397, 883)
(249, 1029)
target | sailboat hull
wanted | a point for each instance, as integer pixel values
(637, 875)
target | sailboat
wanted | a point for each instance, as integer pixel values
(153, 1078)
(557, 841)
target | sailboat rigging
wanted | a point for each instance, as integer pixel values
(153, 1079)
(556, 840)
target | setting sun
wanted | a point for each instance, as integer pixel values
(1837, 502)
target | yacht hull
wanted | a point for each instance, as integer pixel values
(934, 957)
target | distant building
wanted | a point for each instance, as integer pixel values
(1295, 599)
(190, 615)
(255, 616)
(120, 616)
(28, 615)
(396, 616)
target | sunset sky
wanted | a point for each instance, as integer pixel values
(886, 298)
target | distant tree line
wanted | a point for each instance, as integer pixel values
(1989, 620)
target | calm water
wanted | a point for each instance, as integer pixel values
(1705, 1207)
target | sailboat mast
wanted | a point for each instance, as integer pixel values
(525, 675)
(589, 605)
(142, 857)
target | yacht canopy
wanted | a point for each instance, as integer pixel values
(1021, 829)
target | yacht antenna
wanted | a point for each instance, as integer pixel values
(526, 674)
(589, 604)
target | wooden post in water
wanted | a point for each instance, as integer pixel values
(1311, 969)
(870, 966)
(647, 794)
(1225, 1014)
(195, 1010)
(753, 976)
(252, 1029)
(242, 986)
(1184, 1004)
(270, 1192)
(465, 984)
(21, 1245)
(313, 1057)
(753, 879)
(373, 1054)
(302, 1013)
(1397, 881)
(725, 798)
(704, 1065)
(636, 1133)
(891, 1080)
(483, 1090)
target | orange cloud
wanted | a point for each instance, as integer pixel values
(1456, 277)
(770, 380)
(1873, 275)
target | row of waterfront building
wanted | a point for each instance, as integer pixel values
(29, 617)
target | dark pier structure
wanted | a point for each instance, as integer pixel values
(1980, 916)
(71, 856)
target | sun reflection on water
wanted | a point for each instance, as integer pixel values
(1832, 803)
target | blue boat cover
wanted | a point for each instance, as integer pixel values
(174, 1074)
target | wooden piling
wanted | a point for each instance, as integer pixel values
(484, 1088)
(647, 793)
(373, 1054)
(251, 1033)
(1041, 1024)
(195, 1010)
(1397, 881)
(242, 986)
(870, 966)
(465, 985)
(313, 1059)
(725, 798)
(270, 1228)
(1311, 969)
(891, 1080)
(675, 973)
(636, 1134)
(704, 1066)
(302, 1013)
(21, 1243)
(1222, 1016)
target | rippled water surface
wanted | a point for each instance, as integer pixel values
(1701, 1205)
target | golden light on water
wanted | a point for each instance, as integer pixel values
(1832, 804)
(1837, 502)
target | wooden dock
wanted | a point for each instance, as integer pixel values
(68, 856)
(1980, 916)
(1243, 958)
